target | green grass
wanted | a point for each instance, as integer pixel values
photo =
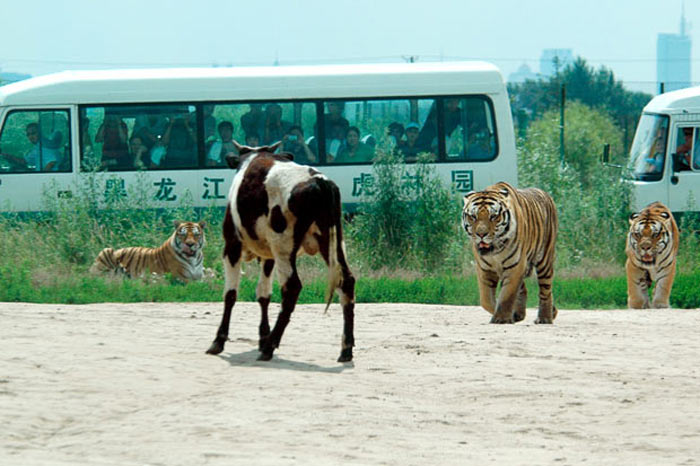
(570, 293)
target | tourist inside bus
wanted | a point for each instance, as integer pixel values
(293, 142)
(253, 121)
(43, 155)
(112, 133)
(140, 157)
(179, 140)
(395, 132)
(275, 127)
(354, 150)
(216, 156)
(410, 149)
(252, 140)
(684, 149)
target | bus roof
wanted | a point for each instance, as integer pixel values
(254, 83)
(682, 101)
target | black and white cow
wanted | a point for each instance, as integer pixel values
(276, 211)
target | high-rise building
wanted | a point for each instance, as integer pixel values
(673, 58)
(554, 60)
(522, 74)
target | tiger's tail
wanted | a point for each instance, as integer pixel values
(106, 262)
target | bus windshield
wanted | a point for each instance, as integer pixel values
(648, 151)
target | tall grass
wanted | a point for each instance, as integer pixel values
(405, 244)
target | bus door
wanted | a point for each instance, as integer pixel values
(684, 186)
(36, 165)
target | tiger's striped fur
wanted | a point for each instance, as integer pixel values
(652, 247)
(512, 231)
(181, 255)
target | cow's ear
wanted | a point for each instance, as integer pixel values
(273, 148)
(288, 156)
(242, 149)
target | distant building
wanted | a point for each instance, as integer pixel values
(522, 74)
(554, 60)
(673, 59)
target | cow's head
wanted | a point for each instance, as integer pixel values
(234, 161)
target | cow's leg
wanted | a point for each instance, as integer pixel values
(263, 292)
(291, 287)
(346, 291)
(232, 273)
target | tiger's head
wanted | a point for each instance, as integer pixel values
(650, 232)
(488, 220)
(188, 238)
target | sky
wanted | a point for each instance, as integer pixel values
(44, 36)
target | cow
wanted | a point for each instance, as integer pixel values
(277, 210)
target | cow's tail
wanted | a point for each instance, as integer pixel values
(335, 273)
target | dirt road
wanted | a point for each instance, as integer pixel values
(129, 384)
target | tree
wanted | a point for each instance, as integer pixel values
(595, 88)
(592, 200)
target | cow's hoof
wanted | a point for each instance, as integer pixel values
(265, 356)
(216, 347)
(345, 355)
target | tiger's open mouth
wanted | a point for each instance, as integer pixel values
(484, 248)
(647, 258)
(188, 250)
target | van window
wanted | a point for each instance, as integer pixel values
(355, 130)
(151, 137)
(261, 124)
(35, 141)
(469, 129)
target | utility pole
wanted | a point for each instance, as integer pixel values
(561, 123)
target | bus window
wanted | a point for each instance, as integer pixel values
(469, 129)
(119, 138)
(259, 124)
(648, 151)
(35, 141)
(357, 129)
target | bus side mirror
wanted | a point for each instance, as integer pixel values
(605, 158)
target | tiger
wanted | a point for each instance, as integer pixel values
(181, 255)
(512, 230)
(652, 248)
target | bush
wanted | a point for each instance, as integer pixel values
(592, 200)
(410, 219)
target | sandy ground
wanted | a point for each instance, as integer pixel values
(129, 384)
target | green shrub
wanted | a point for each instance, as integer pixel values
(410, 219)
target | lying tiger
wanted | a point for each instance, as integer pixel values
(512, 231)
(180, 255)
(652, 247)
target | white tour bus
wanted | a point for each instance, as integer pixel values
(168, 130)
(665, 154)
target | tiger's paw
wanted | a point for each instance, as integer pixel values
(544, 320)
(518, 316)
(496, 319)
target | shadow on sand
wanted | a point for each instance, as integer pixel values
(250, 359)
